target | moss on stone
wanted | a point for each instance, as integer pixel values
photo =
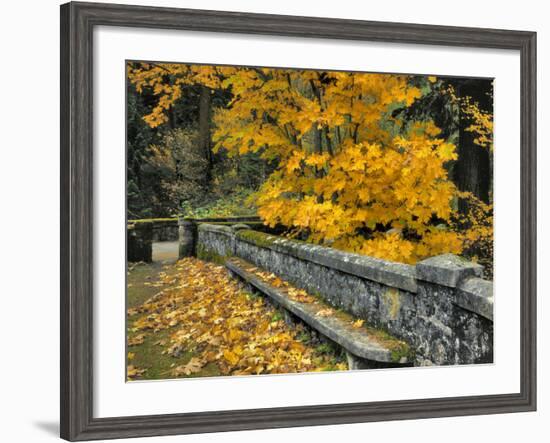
(206, 254)
(317, 295)
(154, 220)
(257, 238)
(231, 223)
(397, 348)
(392, 299)
(403, 351)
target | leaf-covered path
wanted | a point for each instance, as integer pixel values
(201, 322)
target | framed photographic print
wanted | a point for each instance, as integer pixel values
(273, 221)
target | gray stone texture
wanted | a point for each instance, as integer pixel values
(139, 242)
(476, 295)
(394, 274)
(187, 235)
(447, 270)
(165, 230)
(443, 309)
(215, 241)
(354, 340)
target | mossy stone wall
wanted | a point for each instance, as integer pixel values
(441, 307)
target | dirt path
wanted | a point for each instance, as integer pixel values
(165, 251)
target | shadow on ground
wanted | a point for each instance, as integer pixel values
(49, 427)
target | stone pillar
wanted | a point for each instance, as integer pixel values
(447, 270)
(451, 334)
(140, 242)
(187, 233)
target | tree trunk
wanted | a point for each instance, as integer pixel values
(204, 129)
(317, 133)
(328, 142)
(473, 170)
(171, 118)
(317, 141)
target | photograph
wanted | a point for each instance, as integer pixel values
(286, 220)
(290, 221)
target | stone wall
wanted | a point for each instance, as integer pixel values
(441, 307)
(164, 229)
(142, 233)
(188, 230)
(215, 242)
(139, 242)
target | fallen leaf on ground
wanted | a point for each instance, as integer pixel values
(193, 366)
(222, 325)
(132, 372)
(325, 312)
(136, 340)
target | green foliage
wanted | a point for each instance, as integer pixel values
(236, 204)
(140, 189)
(182, 175)
(168, 168)
(324, 348)
(181, 166)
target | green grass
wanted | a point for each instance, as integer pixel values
(138, 275)
(148, 355)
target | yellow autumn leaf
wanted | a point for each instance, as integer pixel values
(191, 367)
(236, 334)
(133, 372)
(325, 312)
(232, 358)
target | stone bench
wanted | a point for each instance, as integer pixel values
(366, 348)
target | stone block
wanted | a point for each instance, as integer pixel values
(139, 242)
(389, 273)
(187, 235)
(476, 295)
(447, 270)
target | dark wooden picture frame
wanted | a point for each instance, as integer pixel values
(77, 23)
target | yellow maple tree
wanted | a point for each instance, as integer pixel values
(350, 175)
